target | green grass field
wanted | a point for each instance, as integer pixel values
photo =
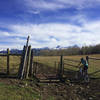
(14, 92)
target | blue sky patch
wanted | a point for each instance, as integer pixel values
(49, 22)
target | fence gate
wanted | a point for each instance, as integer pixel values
(47, 73)
(71, 66)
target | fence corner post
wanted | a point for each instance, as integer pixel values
(87, 58)
(31, 64)
(8, 52)
(61, 67)
(28, 62)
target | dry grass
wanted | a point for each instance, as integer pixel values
(14, 64)
(94, 65)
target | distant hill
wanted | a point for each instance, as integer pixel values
(59, 50)
(13, 51)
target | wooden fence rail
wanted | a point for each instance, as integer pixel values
(3, 55)
(94, 58)
(72, 60)
(70, 65)
(10, 54)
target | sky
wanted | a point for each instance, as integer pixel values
(49, 23)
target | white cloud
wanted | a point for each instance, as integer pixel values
(4, 34)
(53, 34)
(42, 4)
(59, 4)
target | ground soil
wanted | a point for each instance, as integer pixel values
(61, 91)
(70, 89)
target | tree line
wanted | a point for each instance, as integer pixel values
(75, 50)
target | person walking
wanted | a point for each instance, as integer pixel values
(83, 69)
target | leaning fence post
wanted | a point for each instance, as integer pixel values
(8, 52)
(25, 59)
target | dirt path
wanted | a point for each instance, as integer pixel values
(70, 90)
(61, 91)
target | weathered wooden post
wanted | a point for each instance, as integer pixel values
(31, 64)
(8, 52)
(61, 64)
(28, 62)
(61, 68)
(21, 64)
(87, 58)
(58, 69)
(55, 66)
(24, 61)
(33, 68)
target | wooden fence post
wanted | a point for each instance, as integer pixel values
(55, 66)
(24, 61)
(28, 62)
(34, 69)
(31, 64)
(61, 67)
(21, 64)
(58, 69)
(87, 58)
(8, 52)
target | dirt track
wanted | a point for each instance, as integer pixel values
(70, 90)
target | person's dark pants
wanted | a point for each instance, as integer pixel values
(85, 70)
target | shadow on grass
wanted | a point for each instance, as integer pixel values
(4, 75)
(12, 73)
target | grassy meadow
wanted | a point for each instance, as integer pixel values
(52, 61)
(14, 64)
(94, 65)
(12, 89)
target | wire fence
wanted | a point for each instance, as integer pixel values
(9, 63)
(93, 68)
